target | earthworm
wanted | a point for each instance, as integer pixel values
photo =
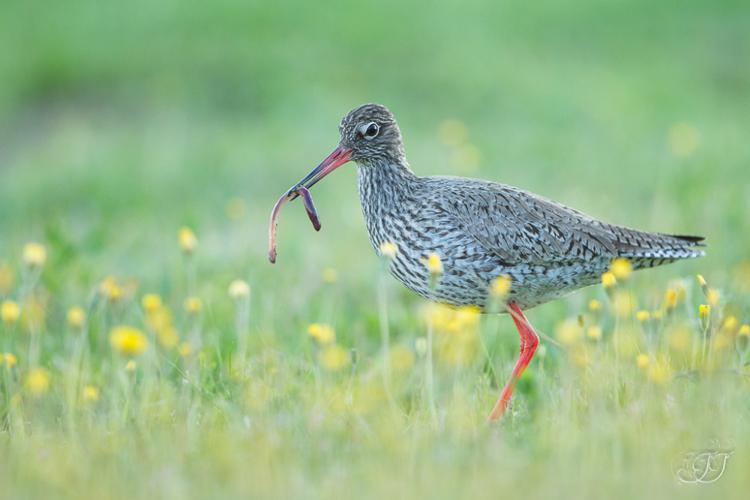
(288, 196)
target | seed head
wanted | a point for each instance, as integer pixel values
(388, 249)
(701, 281)
(34, 255)
(193, 305)
(713, 296)
(420, 345)
(239, 289)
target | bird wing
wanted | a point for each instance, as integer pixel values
(521, 227)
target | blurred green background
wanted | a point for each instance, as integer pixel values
(122, 122)
(119, 123)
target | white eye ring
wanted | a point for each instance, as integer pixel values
(369, 130)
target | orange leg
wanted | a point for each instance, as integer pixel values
(529, 343)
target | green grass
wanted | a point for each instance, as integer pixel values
(121, 124)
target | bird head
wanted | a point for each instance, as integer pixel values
(369, 136)
(372, 134)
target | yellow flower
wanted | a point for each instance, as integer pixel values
(704, 310)
(608, 280)
(34, 254)
(334, 357)
(76, 317)
(90, 393)
(37, 381)
(643, 316)
(110, 289)
(159, 319)
(322, 333)
(568, 332)
(34, 314)
(594, 333)
(402, 358)
(187, 239)
(468, 157)
(239, 289)
(453, 132)
(151, 302)
(185, 349)
(680, 339)
(128, 340)
(193, 305)
(622, 303)
(713, 296)
(167, 337)
(621, 268)
(130, 366)
(500, 286)
(683, 140)
(388, 249)
(433, 264)
(659, 372)
(642, 360)
(730, 324)
(744, 330)
(9, 359)
(6, 278)
(9, 312)
(236, 208)
(670, 298)
(595, 305)
(330, 275)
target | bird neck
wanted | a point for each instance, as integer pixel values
(384, 190)
(383, 182)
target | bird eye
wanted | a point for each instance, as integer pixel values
(370, 131)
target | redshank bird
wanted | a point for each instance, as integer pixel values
(480, 230)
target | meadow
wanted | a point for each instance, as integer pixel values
(148, 348)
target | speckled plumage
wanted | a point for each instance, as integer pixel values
(481, 229)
